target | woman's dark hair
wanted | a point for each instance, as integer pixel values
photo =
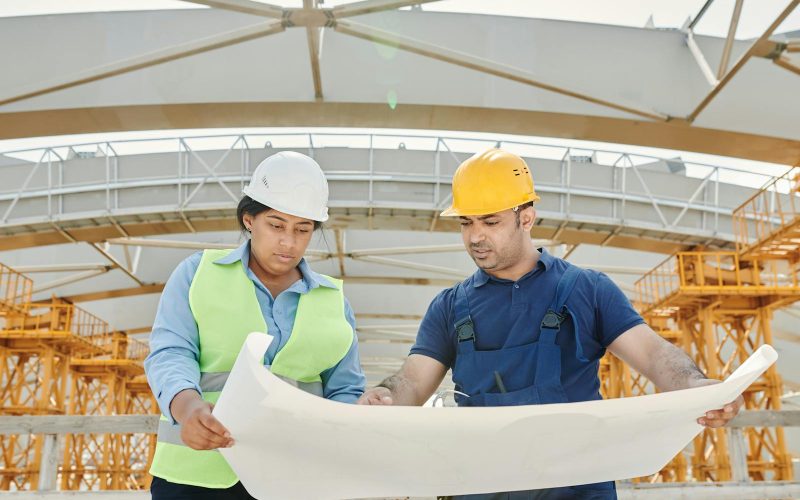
(250, 206)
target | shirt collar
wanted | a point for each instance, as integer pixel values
(310, 278)
(481, 277)
(241, 253)
(313, 279)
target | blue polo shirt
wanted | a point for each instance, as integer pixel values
(508, 314)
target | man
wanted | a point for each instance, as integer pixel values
(527, 327)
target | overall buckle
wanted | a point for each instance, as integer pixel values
(552, 320)
(465, 330)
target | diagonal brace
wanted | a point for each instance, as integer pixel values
(476, 63)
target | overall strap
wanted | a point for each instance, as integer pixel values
(548, 359)
(557, 312)
(565, 286)
(465, 328)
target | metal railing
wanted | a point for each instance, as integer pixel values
(765, 223)
(62, 319)
(720, 272)
(15, 291)
(628, 183)
(137, 350)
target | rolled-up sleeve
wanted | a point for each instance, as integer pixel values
(345, 382)
(172, 365)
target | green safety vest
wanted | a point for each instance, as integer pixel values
(224, 305)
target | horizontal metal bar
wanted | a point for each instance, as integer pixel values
(186, 181)
(190, 245)
(360, 177)
(60, 268)
(78, 424)
(767, 418)
(415, 266)
(124, 424)
(433, 138)
(756, 490)
(424, 249)
(73, 278)
(77, 495)
(626, 491)
(632, 227)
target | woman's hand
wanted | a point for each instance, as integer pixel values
(200, 430)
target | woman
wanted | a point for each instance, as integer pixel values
(215, 298)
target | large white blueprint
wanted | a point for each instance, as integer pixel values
(292, 445)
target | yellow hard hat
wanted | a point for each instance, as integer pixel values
(491, 182)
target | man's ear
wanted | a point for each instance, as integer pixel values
(527, 217)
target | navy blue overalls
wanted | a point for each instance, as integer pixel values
(522, 375)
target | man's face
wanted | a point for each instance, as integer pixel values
(495, 241)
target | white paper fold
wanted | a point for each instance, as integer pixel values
(292, 445)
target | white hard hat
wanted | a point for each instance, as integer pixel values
(291, 183)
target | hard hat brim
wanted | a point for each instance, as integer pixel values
(275, 206)
(452, 211)
(449, 212)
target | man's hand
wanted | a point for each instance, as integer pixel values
(200, 430)
(376, 396)
(416, 381)
(720, 417)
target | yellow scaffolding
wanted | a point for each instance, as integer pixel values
(56, 358)
(718, 306)
(104, 385)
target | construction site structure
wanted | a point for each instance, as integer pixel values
(57, 359)
(718, 306)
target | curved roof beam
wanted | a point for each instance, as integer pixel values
(675, 134)
(153, 58)
(754, 48)
(647, 127)
(478, 64)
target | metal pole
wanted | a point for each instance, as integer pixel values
(48, 471)
(437, 171)
(49, 186)
(726, 51)
(371, 169)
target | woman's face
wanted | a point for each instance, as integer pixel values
(278, 240)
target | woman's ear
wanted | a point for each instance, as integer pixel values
(248, 220)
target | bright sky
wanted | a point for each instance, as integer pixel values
(756, 14)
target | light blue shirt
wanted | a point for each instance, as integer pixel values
(172, 365)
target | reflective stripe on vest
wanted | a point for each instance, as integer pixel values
(224, 304)
(215, 381)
